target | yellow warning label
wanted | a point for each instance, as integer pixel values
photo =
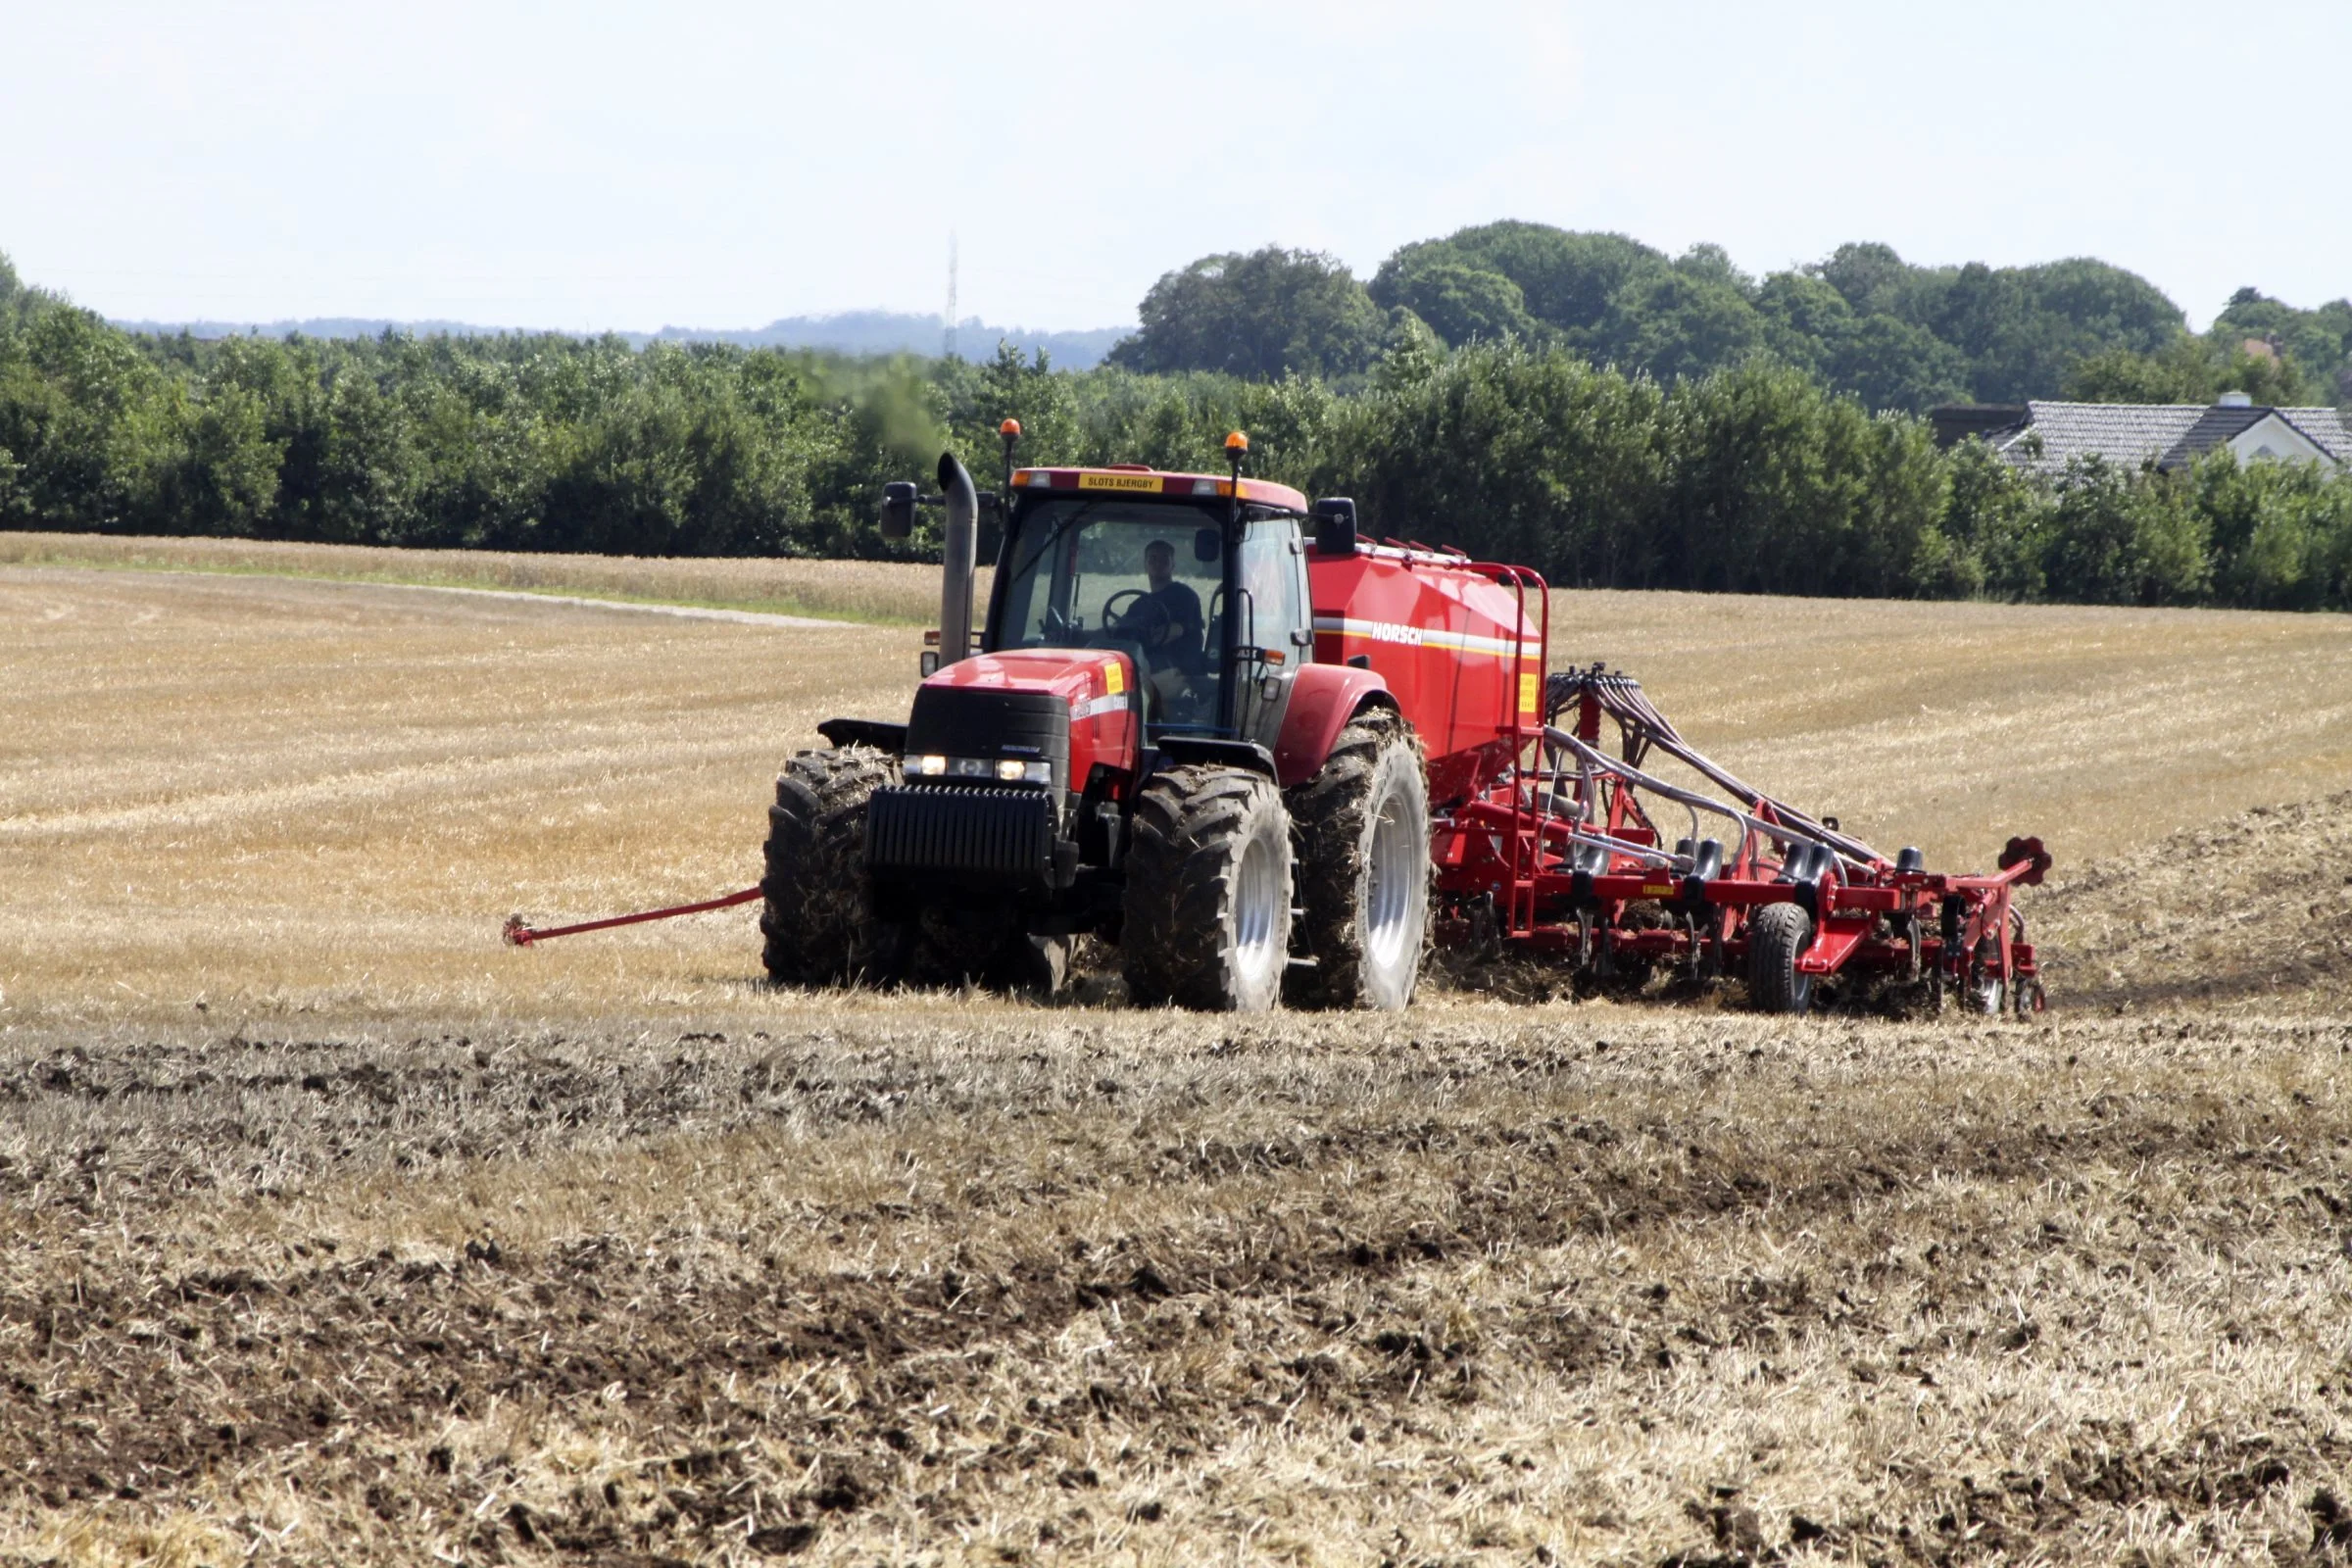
(1658, 890)
(1120, 482)
(1531, 692)
(1114, 677)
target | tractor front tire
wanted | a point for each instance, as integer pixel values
(1364, 874)
(1778, 934)
(1206, 922)
(818, 919)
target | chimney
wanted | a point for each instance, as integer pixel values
(2233, 400)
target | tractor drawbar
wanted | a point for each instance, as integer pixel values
(518, 934)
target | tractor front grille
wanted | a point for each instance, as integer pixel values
(962, 829)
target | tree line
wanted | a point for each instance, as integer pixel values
(1863, 320)
(1762, 475)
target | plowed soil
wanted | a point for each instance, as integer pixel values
(339, 1234)
(1471, 1287)
(2251, 912)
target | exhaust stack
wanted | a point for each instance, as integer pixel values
(957, 559)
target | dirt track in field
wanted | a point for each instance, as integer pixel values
(341, 1234)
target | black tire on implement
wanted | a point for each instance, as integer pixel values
(1364, 871)
(1207, 923)
(1778, 934)
(818, 919)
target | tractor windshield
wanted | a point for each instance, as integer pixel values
(1144, 578)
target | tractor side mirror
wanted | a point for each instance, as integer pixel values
(1335, 526)
(1207, 545)
(898, 509)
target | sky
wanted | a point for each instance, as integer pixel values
(722, 163)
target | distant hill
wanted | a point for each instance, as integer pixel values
(344, 326)
(848, 332)
(901, 332)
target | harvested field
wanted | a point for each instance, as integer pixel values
(343, 1234)
(851, 590)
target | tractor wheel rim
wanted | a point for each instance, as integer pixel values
(1256, 909)
(1393, 864)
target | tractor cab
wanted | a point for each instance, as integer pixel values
(1204, 592)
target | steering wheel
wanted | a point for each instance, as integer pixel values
(1145, 618)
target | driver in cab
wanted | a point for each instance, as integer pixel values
(1166, 620)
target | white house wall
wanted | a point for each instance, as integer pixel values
(2275, 438)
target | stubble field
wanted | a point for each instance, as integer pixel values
(342, 1233)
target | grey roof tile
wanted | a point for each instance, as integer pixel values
(2326, 427)
(2128, 435)
(2125, 434)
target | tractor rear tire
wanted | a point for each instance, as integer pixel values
(1364, 873)
(818, 919)
(1206, 922)
(1778, 934)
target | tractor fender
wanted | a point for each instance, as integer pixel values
(1323, 699)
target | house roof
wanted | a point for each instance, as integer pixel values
(2328, 429)
(2123, 434)
(1955, 422)
(2127, 435)
(2216, 426)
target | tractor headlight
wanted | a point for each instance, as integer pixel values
(1005, 771)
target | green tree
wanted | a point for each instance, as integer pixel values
(1996, 523)
(1875, 281)
(2318, 342)
(1014, 386)
(1804, 318)
(1261, 315)
(1779, 486)
(2182, 372)
(1460, 303)
(1891, 363)
(1566, 280)
(2277, 531)
(368, 474)
(2118, 538)
(1678, 323)
(2023, 328)
(1512, 453)
(2188, 370)
(227, 473)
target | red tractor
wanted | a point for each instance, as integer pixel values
(1267, 758)
(1157, 742)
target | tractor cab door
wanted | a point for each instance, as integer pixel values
(1273, 633)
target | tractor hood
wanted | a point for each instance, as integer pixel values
(1056, 711)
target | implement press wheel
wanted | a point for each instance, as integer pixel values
(1778, 934)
